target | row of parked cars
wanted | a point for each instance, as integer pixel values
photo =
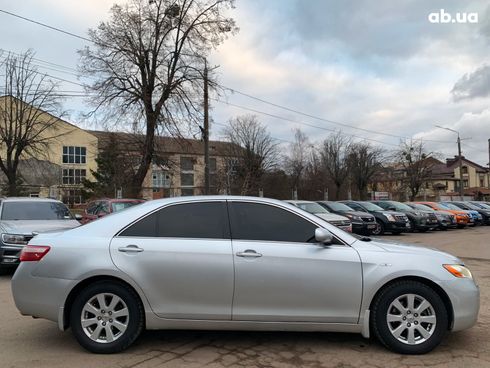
(378, 217)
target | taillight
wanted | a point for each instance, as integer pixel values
(33, 253)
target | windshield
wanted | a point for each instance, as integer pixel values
(421, 207)
(482, 205)
(312, 207)
(450, 206)
(119, 206)
(35, 211)
(370, 206)
(400, 206)
(336, 206)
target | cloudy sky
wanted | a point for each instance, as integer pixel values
(377, 70)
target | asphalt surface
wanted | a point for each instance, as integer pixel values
(26, 342)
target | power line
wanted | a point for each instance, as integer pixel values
(323, 119)
(301, 122)
(45, 25)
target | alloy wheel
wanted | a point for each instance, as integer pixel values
(411, 319)
(104, 318)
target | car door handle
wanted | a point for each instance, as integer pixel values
(130, 249)
(249, 253)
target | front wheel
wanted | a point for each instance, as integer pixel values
(409, 317)
(379, 229)
(107, 317)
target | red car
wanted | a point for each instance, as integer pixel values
(103, 207)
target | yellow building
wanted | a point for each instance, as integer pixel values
(61, 162)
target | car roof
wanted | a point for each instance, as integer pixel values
(29, 199)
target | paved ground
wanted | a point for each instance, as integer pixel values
(25, 342)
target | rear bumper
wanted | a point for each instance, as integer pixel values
(38, 296)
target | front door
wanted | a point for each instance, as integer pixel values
(282, 274)
(181, 258)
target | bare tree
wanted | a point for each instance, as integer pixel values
(364, 162)
(416, 164)
(335, 159)
(254, 150)
(296, 160)
(148, 63)
(28, 113)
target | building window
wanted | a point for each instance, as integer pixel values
(187, 164)
(187, 180)
(161, 179)
(74, 155)
(465, 183)
(73, 196)
(73, 176)
(187, 192)
(464, 170)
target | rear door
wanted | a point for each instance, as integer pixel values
(181, 257)
(283, 275)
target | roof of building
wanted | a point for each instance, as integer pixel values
(167, 145)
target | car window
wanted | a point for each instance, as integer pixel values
(255, 221)
(337, 206)
(25, 210)
(188, 220)
(102, 208)
(119, 206)
(91, 207)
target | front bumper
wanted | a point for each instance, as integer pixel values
(398, 226)
(9, 254)
(426, 224)
(363, 227)
(465, 299)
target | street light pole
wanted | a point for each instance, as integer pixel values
(460, 160)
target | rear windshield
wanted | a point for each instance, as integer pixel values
(35, 211)
(119, 206)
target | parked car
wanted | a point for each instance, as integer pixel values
(173, 264)
(484, 214)
(387, 221)
(419, 220)
(341, 222)
(102, 207)
(463, 219)
(21, 218)
(445, 219)
(362, 223)
(475, 217)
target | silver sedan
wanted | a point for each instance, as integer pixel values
(239, 263)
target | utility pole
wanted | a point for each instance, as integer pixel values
(461, 189)
(206, 129)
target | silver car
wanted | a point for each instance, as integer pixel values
(239, 263)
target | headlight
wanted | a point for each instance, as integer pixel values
(14, 239)
(459, 271)
(354, 217)
(389, 216)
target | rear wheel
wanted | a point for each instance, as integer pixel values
(107, 317)
(409, 317)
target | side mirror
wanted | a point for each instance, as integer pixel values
(78, 216)
(323, 236)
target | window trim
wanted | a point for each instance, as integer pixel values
(342, 242)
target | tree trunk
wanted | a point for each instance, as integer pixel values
(146, 158)
(12, 184)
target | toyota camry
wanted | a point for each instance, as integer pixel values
(241, 263)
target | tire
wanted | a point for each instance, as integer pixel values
(402, 322)
(380, 228)
(123, 329)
